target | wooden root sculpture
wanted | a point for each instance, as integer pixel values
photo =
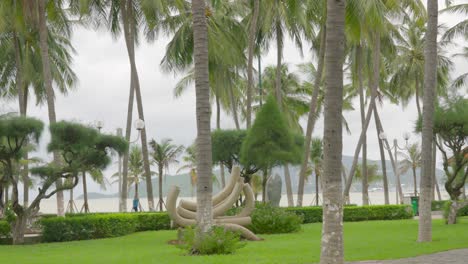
(186, 213)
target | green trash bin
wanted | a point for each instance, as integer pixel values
(415, 204)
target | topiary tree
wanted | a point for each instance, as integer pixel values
(269, 142)
(80, 147)
(226, 146)
(451, 133)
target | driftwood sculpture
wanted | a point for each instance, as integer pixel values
(186, 213)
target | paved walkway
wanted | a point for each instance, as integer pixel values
(457, 256)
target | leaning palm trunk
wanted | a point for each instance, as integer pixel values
(382, 157)
(365, 185)
(287, 180)
(252, 31)
(374, 82)
(127, 15)
(161, 201)
(128, 131)
(43, 37)
(312, 117)
(85, 207)
(279, 55)
(22, 100)
(430, 83)
(332, 230)
(203, 114)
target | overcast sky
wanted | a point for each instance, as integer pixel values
(102, 66)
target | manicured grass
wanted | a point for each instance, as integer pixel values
(363, 241)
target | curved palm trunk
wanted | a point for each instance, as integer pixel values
(418, 104)
(128, 132)
(233, 106)
(287, 179)
(43, 36)
(127, 14)
(279, 55)
(311, 118)
(332, 230)
(430, 82)
(382, 157)
(252, 31)
(203, 114)
(317, 174)
(365, 184)
(218, 126)
(264, 183)
(434, 178)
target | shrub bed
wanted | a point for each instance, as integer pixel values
(92, 226)
(274, 220)
(4, 229)
(313, 214)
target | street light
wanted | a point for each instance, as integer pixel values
(395, 148)
(139, 124)
(99, 125)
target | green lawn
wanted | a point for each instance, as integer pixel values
(363, 241)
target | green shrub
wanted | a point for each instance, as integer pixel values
(93, 226)
(313, 214)
(461, 212)
(438, 205)
(216, 242)
(267, 219)
(4, 229)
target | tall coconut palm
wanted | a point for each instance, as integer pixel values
(190, 163)
(163, 154)
(136, 170)
(251, 47)
(430, 83)
(332, 232)
(128, 16)
(411, 160)
(461, 28)
(316, 159)
(203, 114)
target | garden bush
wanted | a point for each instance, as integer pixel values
(93, 226)
(267, 219)
(216, 242)
(446, 208)
(4, 229)
(438, 205)
(313, 214)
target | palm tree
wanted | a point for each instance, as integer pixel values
(332, 232)
(430, 82)
(202, 87)
(461, 28)
(371, 174)
(98, 177)
(136, 169)
(190, 163)
(316, 159)
(163, 154)
(251, 45)
(412, 161)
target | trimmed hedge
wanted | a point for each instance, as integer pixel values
(313, 214)
(93, 226)
(438, 205)
(4, 229)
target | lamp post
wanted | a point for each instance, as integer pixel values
(395, 148)
(139, 125)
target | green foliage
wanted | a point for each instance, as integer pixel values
(93, 226)
(4, 229)
(217, 241)
(269, 142)
(438, 205)
(446, 208)
(267, 219)
(15, 132)
(313, 214)
(226, 145)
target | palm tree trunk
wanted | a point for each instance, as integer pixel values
(22, 109)
(430, 82)
(374, 82)
(203, 114)
(85, 194)
(311, 118)
(233, 107)
(332, 230)
(279, 55)
(287, 179)
(128, 131)
(119, 134)
(130, 43)
(43, 37)
(161, 201)
(382, 157)
(252, 34)
(434, 177)
(365, 184)
(418, 104)
(415, 182)
(316, 187)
